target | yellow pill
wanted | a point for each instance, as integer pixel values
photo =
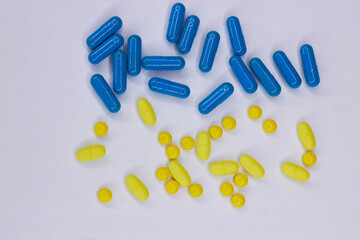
(270, 126)
(255, 112)
(306, 136)
(163, 173)
(226, 189)
(295, 171)
(309, 159)
(90, 153)
(203, 145)
(229, 123)
(104, 195)
(165, 138)
(238, 200)
(251, 166)
(146, 111)
(173, 152)
(179, 173)
(137, 187)
(196, 190)
(224, 167)
(241, 180)
(101, 129)
(187, 143)
(215, 132)
(172, 186)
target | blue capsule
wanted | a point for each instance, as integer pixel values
(218, 96)
(188, 34)
(102, 33)
(287, 70)
(311, 71)
(119, 71)
(105, 93)
(163, 63)
(134, 55)
(266, 79)
(243, 74)
(167, 87)
(175, 22)
(236, 36)
(106, 48)
(209, 51)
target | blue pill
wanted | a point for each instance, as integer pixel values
(309, 65)
(105, 93)
(286, 69)
(175, 22)
(243, 74)
(163, 63)
(266, 79)
(218, 96)
(167, 87)
(236, 36)
(106, 48)
(209, 51)
(188, 34)
(102, 33)
(134, 55)
(119, 71)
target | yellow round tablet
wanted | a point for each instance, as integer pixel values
(238, 200)
(104, 195)
(195, 190)
(173, 152)
(187, 143)
(241, 180)
(215, 131)
(172, 186)
(255, 112)
(227, 189)
(101, 129)
(309, 159)
(270, 126)
(163, 173)
(165, 138)
(229, 123)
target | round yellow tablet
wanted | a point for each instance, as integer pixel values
(270, 126)
(215, 131)
(255, 112)
(229, 123)
(173, 152)
(104, 195)
(227, 189)
(195, 190)
(238, 200)
(241, 180)
(187, 143)
(163, 173)
(172, 186)
(309, 159)
(101, 129)
(165, 138)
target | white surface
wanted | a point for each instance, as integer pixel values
(48, 111)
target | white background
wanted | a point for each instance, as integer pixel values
(48, 110)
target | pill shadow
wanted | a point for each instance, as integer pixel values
(93, 164)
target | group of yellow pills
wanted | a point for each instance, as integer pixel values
(269, 125)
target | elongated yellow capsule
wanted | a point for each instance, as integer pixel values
(203, 145)
(90, 153)
(179, 173)
(224, 167)
(295, 171)
(146, 111)
(137, 187)
(251, 166)
(306, 136)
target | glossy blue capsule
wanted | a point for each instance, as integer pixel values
(188, 34)
(209, 51)
(134, 55)
(119, 71)
(243, 74)
(236, 36)
(286, 69)
(102, 33)
(163, 63)
(105, 93)
(266, 79)
(167, 87)
(175, 22)
(311, 71)
(218, 96)
(106, 48)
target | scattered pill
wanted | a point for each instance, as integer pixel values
(170, 88)
(196, 190)
(286, 69)
(134, 55)
(236, 36)
(310, 68)
(295, 171)
(179, 173)
(188, 34)
(119, 71)
(241, 180)
(215, 132)
(90, 153)
(224, 167)
(309, 159)
(106, 48)
(215, 98)
(165, 138)
(102, 33)
(226, 189)
(163, 63)
(269, 126)
(146, 111)
(105, 93)
(101, 129)
(163, 173)
(173, 152)
(306, 136)
(172, 186)
(237, 200)
(209, 51)
(229, 123)
(137, 187)
(251, 166)
(187, 143)
(203, 145)
(104, 195)
(243, 74)
(255, 112)
(176, 20)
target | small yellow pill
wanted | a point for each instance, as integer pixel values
(104, 195)
(203, 145)
(241, 180)
(163, 173)
(173, 152)
(295, 171)
(215, 132)
(196, 190)
(172, 186)
(165, 138)
(309, 159)
(255, 112)
(137, 187)
(229, 123)
(306, 136)
(179, 173)
(224, 167)
(101, 129)
(251, 166)
(226, 189)
(187, 143)
(146, 111)
(237, 200)
(90, 153)
(270, 126)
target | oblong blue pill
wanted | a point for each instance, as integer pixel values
(266, 79)
(175, 22)
(243, 74)
(102, 33)
(119, 71)
(134, 55)
(311, 71)
(167, 87)
(105, 93)
(286, 69)
(163, 63)
(188, 34)
(218, 96)
(209, 51)
(236, 36)
(106, 48)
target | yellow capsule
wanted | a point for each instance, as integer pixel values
(295, 171)
(270, 126)
(146, 111)
(226, 189)
(137, 187)
(165, 138)
(215, 132)
(229, 123)
(101, 129)
(179, 173)
(237, 200)
(251, 166)
(306, 136)
(203, 145)
(241, 180)
(104, 195)
(309, 159)
(255, 112)
(195, 190)
(172, 186)
(224, 167)
(163, 173)
(90, 153)
(173, 152)
(187, 143)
